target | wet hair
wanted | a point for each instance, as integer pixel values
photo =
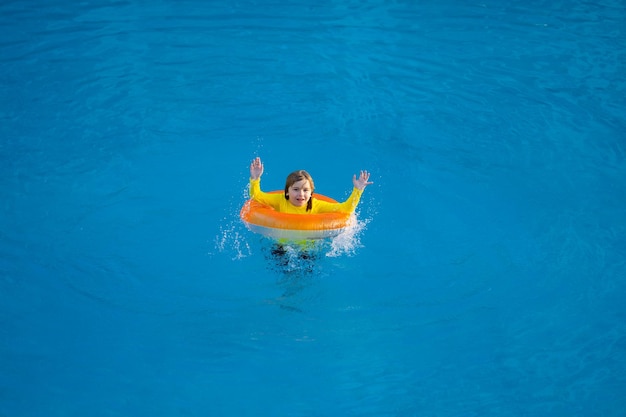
(296, 176)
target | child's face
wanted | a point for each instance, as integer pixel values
(299, 193)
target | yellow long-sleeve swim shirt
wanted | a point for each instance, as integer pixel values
(282, 205)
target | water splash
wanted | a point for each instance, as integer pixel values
(232, 241)
(349, 240)
(231, 238)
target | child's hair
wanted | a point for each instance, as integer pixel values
(299, 176)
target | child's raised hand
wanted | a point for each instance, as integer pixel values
(256, 168)
(363, 180)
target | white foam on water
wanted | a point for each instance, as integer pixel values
(347, 242)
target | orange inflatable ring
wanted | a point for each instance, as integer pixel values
(263, 219)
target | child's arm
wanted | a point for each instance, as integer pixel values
(256, 170)
(350, 204)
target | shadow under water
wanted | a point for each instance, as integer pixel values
(297, 265)
(294, 258)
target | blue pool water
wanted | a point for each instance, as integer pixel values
(487, 276)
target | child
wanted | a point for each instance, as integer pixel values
(298, 196)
